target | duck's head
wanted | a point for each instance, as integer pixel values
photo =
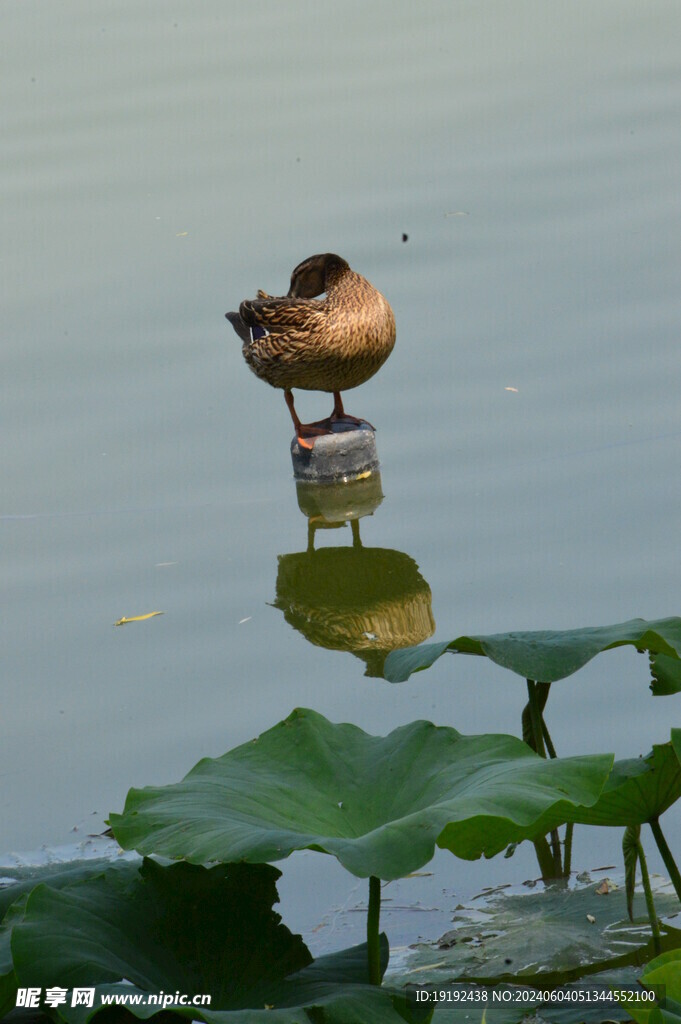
(313, 276)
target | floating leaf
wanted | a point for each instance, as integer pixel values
(546, 656)
(378, 804)
(57, 874)
(549, 936)
(136, 618)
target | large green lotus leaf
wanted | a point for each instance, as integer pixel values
(378, 804)
(637, 790)
(550, 936)
(194, 930)
(162, 928)
(546, 656)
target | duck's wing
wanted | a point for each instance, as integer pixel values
(281, 315)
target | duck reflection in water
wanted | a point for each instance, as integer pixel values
(368, 601)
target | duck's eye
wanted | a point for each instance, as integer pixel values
(258, 332)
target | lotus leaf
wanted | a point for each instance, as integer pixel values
(637, 790)
(548, 655)
(194, 930)
(548, 937)
(378, 804)
(155, 926)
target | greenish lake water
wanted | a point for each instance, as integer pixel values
(163, 161)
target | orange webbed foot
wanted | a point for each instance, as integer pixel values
(307, 433)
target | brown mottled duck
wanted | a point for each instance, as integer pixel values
(329, 344)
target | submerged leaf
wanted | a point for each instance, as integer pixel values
(546, 655)
(378, 804)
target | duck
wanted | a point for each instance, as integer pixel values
(333, 343)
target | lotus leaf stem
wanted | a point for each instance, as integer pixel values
(535, 706)
(650, 904)
(544, 857)
(667, 856)
(567, 849)
(373, 939)
(547, 740)
(555, 850)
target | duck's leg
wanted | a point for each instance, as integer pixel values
(305, 432)
(339, 413)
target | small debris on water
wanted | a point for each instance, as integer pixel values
(136, 618)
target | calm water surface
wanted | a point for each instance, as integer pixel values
(160, 163)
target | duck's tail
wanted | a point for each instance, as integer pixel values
(246, 332)
(239, 326)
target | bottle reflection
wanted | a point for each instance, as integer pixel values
(364, 600)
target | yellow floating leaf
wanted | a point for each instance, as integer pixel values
(511, 389)
(136, 618)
